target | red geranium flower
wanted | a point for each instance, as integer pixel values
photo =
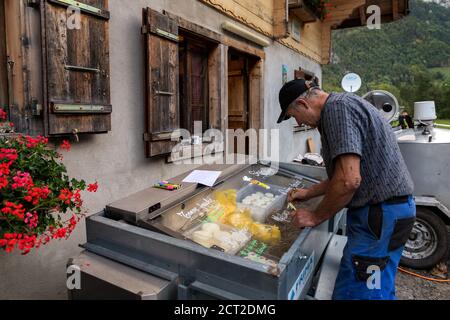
(22, 180)
(3, 181)
(93, 187)
(65, 145)
(3, 114)
(77, 199)
(66, 196)
(8, 154)
(35, 191)
(14, 210)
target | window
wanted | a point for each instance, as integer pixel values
(186, 80)
(295, 30)
(183, 82)
(194, 81)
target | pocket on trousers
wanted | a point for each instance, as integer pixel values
(401, 233)
(375, 220)
(364, 265)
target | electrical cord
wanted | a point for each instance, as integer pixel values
(423, 277)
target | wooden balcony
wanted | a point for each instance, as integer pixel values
(299, 9)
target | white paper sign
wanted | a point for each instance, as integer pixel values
(207, 178)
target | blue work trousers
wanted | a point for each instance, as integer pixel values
(377, 235)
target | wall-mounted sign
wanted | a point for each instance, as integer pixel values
(285, 74)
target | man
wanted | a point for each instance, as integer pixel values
(406, 121)
(367, 175)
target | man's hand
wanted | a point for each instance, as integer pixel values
(316, 190)
(298, 194)
(304, 218)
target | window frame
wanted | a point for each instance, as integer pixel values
(191, 44)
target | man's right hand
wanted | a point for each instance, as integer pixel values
(298, 195)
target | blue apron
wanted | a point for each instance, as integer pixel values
(377, 235)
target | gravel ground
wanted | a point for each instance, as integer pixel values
(413, 288)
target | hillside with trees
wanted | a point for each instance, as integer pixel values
(410, 57)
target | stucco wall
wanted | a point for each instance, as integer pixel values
(116, 160)
(278, 55)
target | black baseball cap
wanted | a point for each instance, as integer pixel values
(291, 91)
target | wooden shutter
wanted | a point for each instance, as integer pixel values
(3, 61)
(76, 68)
(162, 82)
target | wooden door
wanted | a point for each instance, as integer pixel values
(237, 92)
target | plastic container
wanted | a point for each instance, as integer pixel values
(260, 214)
(210, 234)
(425, 111)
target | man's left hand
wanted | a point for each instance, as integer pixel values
(304, 218)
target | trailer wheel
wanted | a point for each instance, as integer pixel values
(428, 243)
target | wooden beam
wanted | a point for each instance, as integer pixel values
(215, 37)
(340, 11)
(311, 145)
(224, 91)
(216, 78)
(3, 70)
(256, 95)
(243, 47)
(280, 19)
(326, 43)
(195, 28)
(257, 15)
(395, 15)
(362, 15)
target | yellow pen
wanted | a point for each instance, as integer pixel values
(257, 183)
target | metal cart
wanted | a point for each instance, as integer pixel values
(137, 232)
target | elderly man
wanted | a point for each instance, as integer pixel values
(367, 175)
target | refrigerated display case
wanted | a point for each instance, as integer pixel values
(230, 241)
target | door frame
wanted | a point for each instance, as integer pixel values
(255, 88)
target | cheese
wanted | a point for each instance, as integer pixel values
(210, 228)
(203, 238)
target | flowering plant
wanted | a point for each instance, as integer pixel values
(319, 7)
(35, 193)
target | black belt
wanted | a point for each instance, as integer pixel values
(393, 200)
(397, 200)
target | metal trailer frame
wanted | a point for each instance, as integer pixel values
(429, 162)
(426, 152)
(201, 273)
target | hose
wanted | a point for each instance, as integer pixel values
(423, 277)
